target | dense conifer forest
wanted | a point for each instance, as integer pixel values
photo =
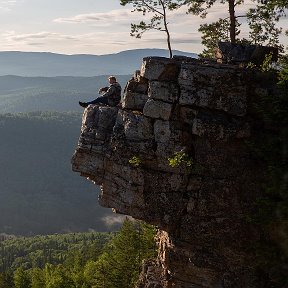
(84, 260)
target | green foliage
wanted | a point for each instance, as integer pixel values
(266, 65)
(37, 278)
(135, 161)
(251, 65)
(212, 34)
(262, 23)
(220, 30)
(180, 159)
(32, 252)
(199, 7)
(6, 280)
(21, 279)
(283, 74)
(57, 277)
(123, 257)
(82, 260)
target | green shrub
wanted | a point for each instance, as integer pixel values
(135, 161)
(180, 159)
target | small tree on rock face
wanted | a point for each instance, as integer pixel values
(158, 21)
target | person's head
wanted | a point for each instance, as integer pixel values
(112, 79)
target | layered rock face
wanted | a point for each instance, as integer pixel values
(176, 156)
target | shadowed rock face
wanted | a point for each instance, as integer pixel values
(203, 113)
(228, 52)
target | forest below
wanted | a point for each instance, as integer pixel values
(83, 260)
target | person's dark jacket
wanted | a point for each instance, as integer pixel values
(113, 94)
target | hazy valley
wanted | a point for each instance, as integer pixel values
(50, 64)
(39, 193)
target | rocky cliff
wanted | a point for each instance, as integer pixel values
(176, 156)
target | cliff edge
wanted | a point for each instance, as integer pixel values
(176, 156)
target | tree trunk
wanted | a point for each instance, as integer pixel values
(168, 42)
(232, 21)
(166, 29)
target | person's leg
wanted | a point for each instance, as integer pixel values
(83, 104)
(100, 99)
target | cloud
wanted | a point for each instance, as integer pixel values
(113, 220)
(179, 20)
(176, 37)
(102, 19)
(36, 44)
(179, 23)
(122, 16)
(8, 2)
(103, 33)
(6, 5)
(11, 36)
(95, 42)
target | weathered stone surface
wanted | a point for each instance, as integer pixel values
(222, 89)
(135, 93)
(219, 127)
(137, 127)
(130, 179)
(200, 204)
(137, 84)
(157, 109)
(187, 115)
(88, 163)
(162, 131)
(165, 91)
(106, 116)
(160, 68)
(97, 127)
(134, 101)
(99, 116)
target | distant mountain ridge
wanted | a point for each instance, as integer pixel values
(48, 64)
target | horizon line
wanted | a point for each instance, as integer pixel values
(80, 54)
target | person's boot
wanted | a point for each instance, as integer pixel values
(83, 104)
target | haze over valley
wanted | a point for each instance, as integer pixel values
(50, 64)
(40, 121)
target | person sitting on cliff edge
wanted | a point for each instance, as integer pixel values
(111, 96)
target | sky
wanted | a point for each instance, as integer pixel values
(95, 27)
